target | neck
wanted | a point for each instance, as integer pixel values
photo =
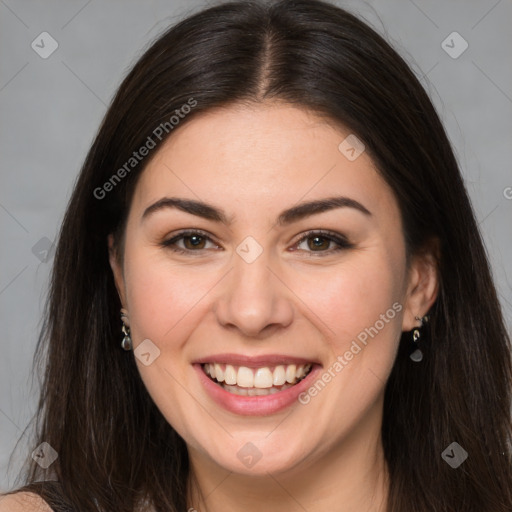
(350, 476)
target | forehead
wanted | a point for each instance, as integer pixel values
(257, 157)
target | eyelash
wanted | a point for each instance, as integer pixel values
(342, 242)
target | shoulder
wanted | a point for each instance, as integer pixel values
(23, 502)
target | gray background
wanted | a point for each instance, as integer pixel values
(51, 108)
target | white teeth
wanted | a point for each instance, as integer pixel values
(279, 376)
(258, 378)
(219, 374)
(245, 377)
(290, 373)
(236, 390)
(263, 378)
(230, 375)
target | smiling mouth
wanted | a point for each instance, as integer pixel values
(245, 381)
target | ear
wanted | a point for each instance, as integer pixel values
(117, 269)
(423, 284)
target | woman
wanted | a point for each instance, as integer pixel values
(271, 223)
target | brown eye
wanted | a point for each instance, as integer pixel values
(320, 242)
(316, 242)
(194, 242)
(189, 242)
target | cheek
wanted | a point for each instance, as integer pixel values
(352, 297)
(360, 303)
(164, 302)
(162, 296)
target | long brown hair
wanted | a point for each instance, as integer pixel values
(114, 445)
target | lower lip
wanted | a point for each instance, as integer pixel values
(255, 405)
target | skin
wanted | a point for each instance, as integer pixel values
(254, 162)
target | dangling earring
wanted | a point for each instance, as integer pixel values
(417, 354)
(126, 344)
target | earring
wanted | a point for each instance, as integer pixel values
(126, 344)
(417, 354)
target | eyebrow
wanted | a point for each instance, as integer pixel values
(293, 214)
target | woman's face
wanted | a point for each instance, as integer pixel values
(253, 288)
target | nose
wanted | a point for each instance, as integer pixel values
(255, 299)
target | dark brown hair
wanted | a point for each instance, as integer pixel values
(114, 445)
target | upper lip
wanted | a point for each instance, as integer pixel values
(253, 361)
